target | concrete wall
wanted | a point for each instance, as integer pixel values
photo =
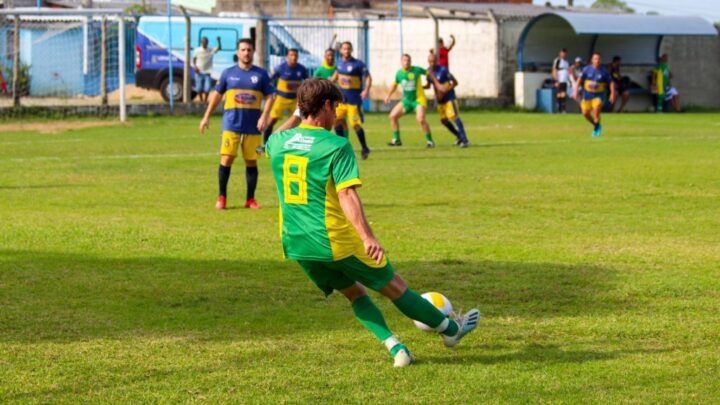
(473, 60)
(695, 65)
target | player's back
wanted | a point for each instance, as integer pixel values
(309, 165)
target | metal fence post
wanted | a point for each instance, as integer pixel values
(103, 63)
(121, 66)
(186, 65)
(16, 62)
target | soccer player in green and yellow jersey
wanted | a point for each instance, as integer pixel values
(323, 225)
(413, 99)
(327, 70)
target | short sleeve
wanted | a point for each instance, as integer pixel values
(422, 71)
(363, 69)
(267, 86)
(305, 74)
(221, 86)
(345, 171)
(398, 80)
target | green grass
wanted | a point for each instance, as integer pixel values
(596, 264)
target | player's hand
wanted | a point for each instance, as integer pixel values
(262, 124)
(364, 94)
(386, 100)
(374, 250)
(204, 125)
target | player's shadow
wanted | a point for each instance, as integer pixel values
(534, 353)
(65, 297)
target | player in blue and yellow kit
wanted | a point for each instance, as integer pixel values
(350, 76)
(289, 75)
(245, 87)
(595, 81)
(447, 104)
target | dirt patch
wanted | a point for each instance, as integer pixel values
(54, 126)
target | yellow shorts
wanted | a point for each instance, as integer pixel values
(593, 103)
(283, 106)
(353, 112)
(449, 110)
(231, 141)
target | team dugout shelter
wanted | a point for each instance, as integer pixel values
(637, 39)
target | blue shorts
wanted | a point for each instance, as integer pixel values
(203, 82)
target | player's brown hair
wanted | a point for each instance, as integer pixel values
(313, 94)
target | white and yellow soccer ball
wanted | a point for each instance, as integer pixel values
(440, 302)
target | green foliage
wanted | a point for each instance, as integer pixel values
(614, 5)
(594, 261)
(23, 78)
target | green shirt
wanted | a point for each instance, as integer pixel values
(324, 71)
(310, 166)
(411, 83)
(662, 77)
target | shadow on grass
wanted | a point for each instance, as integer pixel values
(62, 297)
(535, 353)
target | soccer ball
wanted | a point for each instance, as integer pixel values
(440, 302)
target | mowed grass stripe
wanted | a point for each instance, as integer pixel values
(594, 262)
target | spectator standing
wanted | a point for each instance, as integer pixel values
(561, 75)
(444, 52)
(3, 83)
(661, 87)
(622, 83)
(203, 63)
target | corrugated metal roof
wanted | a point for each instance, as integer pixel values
(500, 9)
(633, 24)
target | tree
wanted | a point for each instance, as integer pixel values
(613, 5)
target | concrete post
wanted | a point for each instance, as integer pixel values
(262, 35)
(16, 63)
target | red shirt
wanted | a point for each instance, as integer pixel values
(444, 60)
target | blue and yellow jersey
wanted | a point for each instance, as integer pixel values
(350, 79)
(595, 82)
(289, 79)
(443, 75)
(244, 91)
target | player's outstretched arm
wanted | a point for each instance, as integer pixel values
(368, 85)
(613, 92)
(452, 42)
(353, 209)
(213, 102)
(334, 77)
(390, 93)
(292, 122)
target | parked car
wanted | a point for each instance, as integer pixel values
(151, 48)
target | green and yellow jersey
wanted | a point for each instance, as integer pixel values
(411, 83)
(311, 165)
(662, 77)
(325, 71)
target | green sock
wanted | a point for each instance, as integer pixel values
(416, 307)
(370, 316)
(428, 137)
(396, 135)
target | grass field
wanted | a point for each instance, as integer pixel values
(596, 264)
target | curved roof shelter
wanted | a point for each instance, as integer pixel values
(635, 38)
